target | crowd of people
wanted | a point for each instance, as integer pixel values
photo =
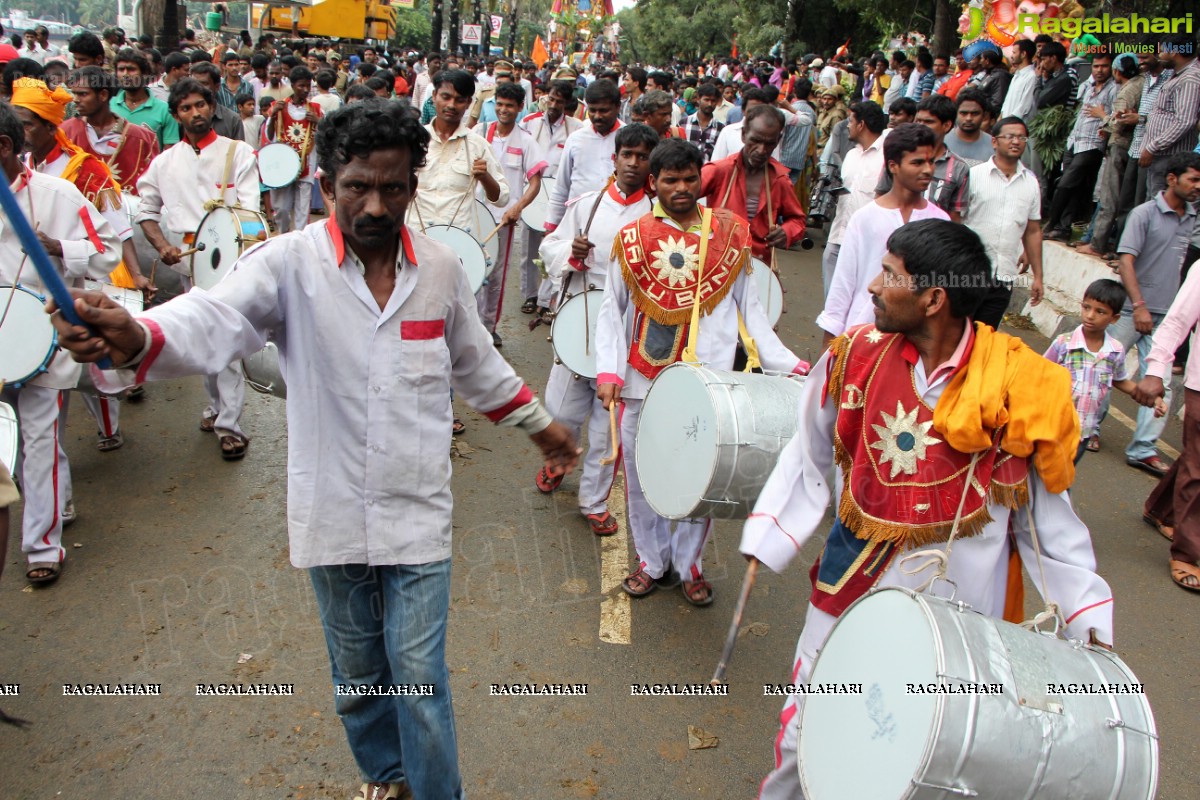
(665, 190)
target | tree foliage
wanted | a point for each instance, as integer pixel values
(414, 26)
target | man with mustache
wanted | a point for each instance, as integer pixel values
(375, 323)
(176, 191)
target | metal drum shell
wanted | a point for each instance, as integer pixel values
(537, 213)
(208, 266)
(749, 418)
(770, 290)
(264, 373)
(470, 253)
(1021, 744)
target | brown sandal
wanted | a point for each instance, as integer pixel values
(638, 584)
(208, 423)
(1168, 531)
(1185, 575)
(233, 447)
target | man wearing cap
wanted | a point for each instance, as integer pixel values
(483, 110)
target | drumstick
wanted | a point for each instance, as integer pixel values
(493, 233)
(198, 248)
(718, 677)
(612, 426)
(587, 334)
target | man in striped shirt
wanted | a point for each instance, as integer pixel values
(1171, 127)
(701, 128)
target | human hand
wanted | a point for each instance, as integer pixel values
(114, 333)
(1035, 292)
(53, 247)
(558, 447)
(479, 168)
(143, 285)
(1142, 321)
(511, 217)
(1149, 390)
(1160, 408)
(777, 237)
(581, 247)
(608, 393)
(170, 255)
(1145, 159)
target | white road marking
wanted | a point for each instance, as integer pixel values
(1123, 418)
(615, 624)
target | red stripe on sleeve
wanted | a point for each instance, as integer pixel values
(524, 397)
(93, 237)
(157, 340)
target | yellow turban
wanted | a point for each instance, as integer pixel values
(36, 96)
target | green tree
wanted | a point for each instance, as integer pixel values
(414, 26)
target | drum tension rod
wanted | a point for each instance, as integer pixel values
(1118, 723)
(950, 789)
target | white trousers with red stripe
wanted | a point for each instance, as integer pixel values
(488, 296)
(660, 542)
(226, 392)
(42, 471)
(105, 410)
(572, 402)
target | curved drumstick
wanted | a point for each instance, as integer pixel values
(612, 426)
(718, 677)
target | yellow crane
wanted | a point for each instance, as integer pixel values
(328, 19)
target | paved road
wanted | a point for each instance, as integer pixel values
(178, 565)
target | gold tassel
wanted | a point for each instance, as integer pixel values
(680, 316)
(907, 536)
(1011, 497)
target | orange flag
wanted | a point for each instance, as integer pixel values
(539, 55)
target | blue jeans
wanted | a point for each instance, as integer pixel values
(1149, 427)
(386, 626)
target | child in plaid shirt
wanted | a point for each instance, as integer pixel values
(1095, 359)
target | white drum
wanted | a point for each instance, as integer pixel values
(226, 233)
(770, 290)
(131, 299)
(9, 438)
(263, 373)
(708, 440)
(536, 213)
(470, 254)
(480, 225)
(27, 337)
(278, 165)
(573, 332)
(986, 724)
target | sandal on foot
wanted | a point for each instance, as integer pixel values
(458, 428)
(49, 572)
(603, 524)
(1185, 575)
(698, 593)
(545, 482)
(638, 584)
(529, 306)
(1093, 444)
(382, 791)
(106, 443)
(233, 447)
(136, 395)
(68, 513)
(1167, 531)
(1153, 464)
(208, 423)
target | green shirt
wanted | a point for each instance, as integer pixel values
(153, 114)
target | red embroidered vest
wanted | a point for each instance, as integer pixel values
(902, 482)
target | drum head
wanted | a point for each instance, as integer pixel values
(883, 642)
(8, 438)
(220, 233)
(575, 348)
(131, 299)
(278, 165)
(27, 337)
(770, 290)
(677, 435)
(469, 253)
(481, 223)
(534, 215)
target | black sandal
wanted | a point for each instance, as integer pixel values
(529, 306)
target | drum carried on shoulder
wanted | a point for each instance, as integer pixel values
(707, 440)
(953, 703)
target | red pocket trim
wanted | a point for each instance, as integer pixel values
(415, 329)
(515, 151)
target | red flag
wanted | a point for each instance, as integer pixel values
(734, 54)
(539, 55)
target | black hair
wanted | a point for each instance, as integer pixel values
(209, 69)
(993, 57)
(1009, 120)
(942, 254)
(707, 90)
(1126, 67)
(97, 79)
(358, 129)
(675, 154)
(511, 91)
(1027, 47)
(462, 81)
(1179, 42)
(636, 134)
(762, 111)
(802, 88)
(11, 126)
(1042, 39)
(653, 101)
(300, 74)
(1054, 49)
(360, 91)
(326, 79)
(906, 138)
(869, 113)
(186, 87)
(200, 57)
(663, 80)
(132, 56)
(1107, 292)
(564, 89)
(925, 59)
(259, 61)
(375, 83)
(909, 63)
(639, 77)
(229, 55)
(939, 106)
(1180, 163)
(366, 69)
(755, 95)
(602, 91)
(175, 61)
(899, 56)
(971, 95)
(20, 68)
(903, 105)
(1104, 53)
(87, 44)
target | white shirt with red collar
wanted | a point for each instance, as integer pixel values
(368, 409)
(586, 163)
(520, 159)
(182, 178)
(552, 138)
(615, 211)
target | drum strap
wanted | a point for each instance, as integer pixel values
(752, 361)
(689, 352)
(228, 170)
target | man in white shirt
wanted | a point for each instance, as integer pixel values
(522, 162)
(371, 344)
(81, 244)
(181, 184)
(423, 86)
(828, 75)
(1004, 207)
(175, 67)
(908, 153)
(860, 171)
(1020, 100)
(587, 157)
(578, 257)
(293, 121)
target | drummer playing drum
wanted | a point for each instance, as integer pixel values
(181, 184)
(656, 285)
(578, 257)
(293, 121)
(896, 407)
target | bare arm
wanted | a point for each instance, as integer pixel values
(1032, 242)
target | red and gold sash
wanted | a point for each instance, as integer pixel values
(902, 481)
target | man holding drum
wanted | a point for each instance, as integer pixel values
(679, 279)
(930, 428)
(81, 244)
(293, 121)
(204, 170)
(579, 257)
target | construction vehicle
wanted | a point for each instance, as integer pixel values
(357, 20)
